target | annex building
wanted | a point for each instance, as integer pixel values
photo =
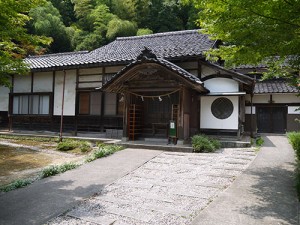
(134, 86)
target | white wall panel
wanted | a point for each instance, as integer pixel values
(4, 98)
(221, 85)
(209, 121)
(248, 110)
(285, 98)
(294, 109)
(22, 83)
(42, 82)
(70, 93)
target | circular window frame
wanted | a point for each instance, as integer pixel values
(222, 108)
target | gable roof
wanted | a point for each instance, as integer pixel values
(147, 57)
(169, 45)
(274, 86)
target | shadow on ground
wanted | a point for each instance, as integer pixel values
(42, 204)
(275, 193)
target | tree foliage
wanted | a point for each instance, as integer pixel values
(254, 31)
(89, 24)
(15, 42)
(48, 21)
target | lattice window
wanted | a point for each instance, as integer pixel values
(222, 108)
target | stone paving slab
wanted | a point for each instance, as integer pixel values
(170, 189)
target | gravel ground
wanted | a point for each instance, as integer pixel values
(172, 188)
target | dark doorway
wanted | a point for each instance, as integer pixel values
(271, 119)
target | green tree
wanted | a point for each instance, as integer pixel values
(15, 42)
(143, 31)
(120, 28)
(47, 21)
(66, 10)
(254, 31)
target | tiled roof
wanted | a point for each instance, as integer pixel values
(56, 60)
(274, 86)
(164, 45)
(169, 45)
(147, 56)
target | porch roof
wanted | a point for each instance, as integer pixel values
(274, 86)
(148, 58)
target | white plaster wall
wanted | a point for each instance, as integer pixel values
(22, 83)
(207, 119)
(294, 110)
(285, 98)
(277, 98)
(113, 69)
(70, 93)
(221, 85)
(261, 98)
(248, 110)
(4, 98)
(98, 70)
(42, 82)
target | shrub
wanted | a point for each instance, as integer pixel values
(16, 184)
(259, 141)
(202, 143)
(103, 151)
(294, 139)
(53, 170)
(67, 145)
(85, 146)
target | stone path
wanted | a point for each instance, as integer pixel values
(172, 188)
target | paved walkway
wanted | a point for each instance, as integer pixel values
(264, 194)
(168, 190)
(47, 198)
(171, 188)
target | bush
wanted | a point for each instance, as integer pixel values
(85, 146)
(294, 139)
(259, 141)
(67, 145)
(53, 170)
(202, 143)
(16, 184)
(103, 151)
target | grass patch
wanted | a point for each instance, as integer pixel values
(294, 139)
(16, 184)
(55, 169)
(103, 151)
(202, 143)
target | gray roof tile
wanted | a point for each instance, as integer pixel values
(169, 45)
(274, 86)
(165, 45)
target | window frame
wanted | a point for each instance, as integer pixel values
(30, 104)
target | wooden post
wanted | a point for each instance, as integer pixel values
(62, 107)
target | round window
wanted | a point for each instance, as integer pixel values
(222, 108)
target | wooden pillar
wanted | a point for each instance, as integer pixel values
(180, 116)
(125, 116)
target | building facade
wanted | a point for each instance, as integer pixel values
(137, 85)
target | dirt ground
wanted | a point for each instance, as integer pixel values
(21, 159)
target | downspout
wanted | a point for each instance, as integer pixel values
(62, 108)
